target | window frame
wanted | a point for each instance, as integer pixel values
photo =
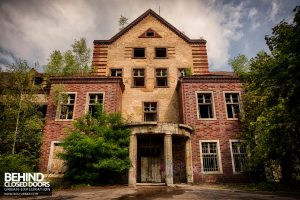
(133, 49)
(87, 105)
(132, 78)
(219, 159)
(116, 69)
(167, 70)
(213, 105)
(166, 57)
(231, 153)
(143, 104)
(50, 159)
(58, 109)
(225, 103)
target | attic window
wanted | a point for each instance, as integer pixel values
(150, 33)
(38, 80)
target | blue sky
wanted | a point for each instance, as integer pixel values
(32, 29)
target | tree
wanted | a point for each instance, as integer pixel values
(271, 120)
(122, 22)
(21, 123)
(72, 62)
(97, 149)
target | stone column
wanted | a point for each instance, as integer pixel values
(168, 159)
(188, 161)
(133, 158)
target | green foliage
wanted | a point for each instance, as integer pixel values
(122, 22)
(97, 149)
(271, 103)
(188, 72)
(72, 62)
(59, 95)
(16, 163)
(240, 64)
(21, 123)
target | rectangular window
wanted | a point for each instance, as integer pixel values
(116, 72)
(232, 104)
(238, 153)
(210, 157)
(94, 100)
(205, 105)
(66, 109)
(150, 111)
(160, 52)
(138, 52)
(138, 77)
(161, 77)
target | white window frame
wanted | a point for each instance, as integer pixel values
(213, 105)
(220, 171)
(88, 100)
(51, 154)
(225, 104)
(58, 109)
(160, 76)
(231, 153)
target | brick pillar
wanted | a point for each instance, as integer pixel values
(188, 161)
(200, 61)
(133, 159)
(168, 159)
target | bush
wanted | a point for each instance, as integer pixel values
(16, 163)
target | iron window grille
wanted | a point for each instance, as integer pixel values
(239, 155)
(210, 159)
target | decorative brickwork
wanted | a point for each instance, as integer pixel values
(54, 129)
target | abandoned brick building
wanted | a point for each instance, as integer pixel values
(182, 116)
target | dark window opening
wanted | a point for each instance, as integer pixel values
(150, 151)
(160, 52)
(150, 112)
(38, 80)
(150, 34)
(161, 77)
(94, 101)
(139, 52)
(138, 78)
(181, 73)
(232, 105)
(116, 72)
(67, 109)
(205, 106)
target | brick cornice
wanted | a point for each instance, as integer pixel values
(87, 79)
(210, 79)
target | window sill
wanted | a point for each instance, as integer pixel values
(138, 58)
(160, 57)
(212, 173)
(207, 119)
(161, 86)
(64, 120)
(232, 119)
(138, 86)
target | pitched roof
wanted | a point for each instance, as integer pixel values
(140, 18)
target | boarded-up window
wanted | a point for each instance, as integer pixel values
(57, 165)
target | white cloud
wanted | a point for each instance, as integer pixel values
(33, 29)
(274, 10)
(252, 13)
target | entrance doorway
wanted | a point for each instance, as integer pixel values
(150, 159)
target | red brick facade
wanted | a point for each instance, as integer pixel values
(220, 128)
(112, 89)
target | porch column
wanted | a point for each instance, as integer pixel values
(168, 159)
(132, 157)
(188, 161)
